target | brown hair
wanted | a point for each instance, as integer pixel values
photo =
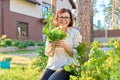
(55, 20)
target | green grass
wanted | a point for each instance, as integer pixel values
(19, 67)
(19, 73)
(16, 59)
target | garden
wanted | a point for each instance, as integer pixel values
(98, 65)
(96, 61)
(20, 60)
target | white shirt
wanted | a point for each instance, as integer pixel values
(60, 57)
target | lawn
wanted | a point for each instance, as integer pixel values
(18, 57)
(20, 66)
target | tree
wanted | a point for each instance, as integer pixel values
(112, 14)
(84, 19)
(53, 6)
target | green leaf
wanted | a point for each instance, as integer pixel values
(67, 68)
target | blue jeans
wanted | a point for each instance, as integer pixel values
(59, 74)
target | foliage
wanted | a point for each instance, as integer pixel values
(40, 43)
(107, 45)
(19, 73)
(112, 40)
(41, 51)
(24, 44)
(102, 66)
(50, 30)
(4, 41)
(76, 69)
(40, 61)
(116, 10)
(72, 69)
(16, 43)
(7, 59)
(8, 42)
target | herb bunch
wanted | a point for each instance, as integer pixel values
(52, 32)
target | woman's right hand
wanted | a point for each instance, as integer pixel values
(53, 45)
(51, 49)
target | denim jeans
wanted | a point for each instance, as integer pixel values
(59, 74)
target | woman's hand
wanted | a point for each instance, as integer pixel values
(51, 49)
(62, 44)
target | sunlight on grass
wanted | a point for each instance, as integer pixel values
(16, 59)
(19, 73)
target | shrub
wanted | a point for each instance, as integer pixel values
(112, 40)
(2, 44)
(38, 63)
(4, 41)
(41, 51)
(8, 42)
(40, 43)
(16, 43)
(100, 65)
(108, 45)
(29, 43)
(24, 44)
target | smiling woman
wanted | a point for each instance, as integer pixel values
(61, 52)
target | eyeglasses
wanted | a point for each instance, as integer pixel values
(66, 18)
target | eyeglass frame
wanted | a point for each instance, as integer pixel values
(65, 18)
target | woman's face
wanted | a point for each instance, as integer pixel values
(64, 19)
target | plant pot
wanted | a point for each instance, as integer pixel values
(4, 65)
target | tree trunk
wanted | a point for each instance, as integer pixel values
(53, 6)
(84, 21)
(114, 22)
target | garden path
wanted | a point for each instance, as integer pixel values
(28, 55)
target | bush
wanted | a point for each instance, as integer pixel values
(40, 43)
(4, 41)
(100, 65)
(108, 45)
(24, 44)
(8, 42)
(38, 63)
(112, 40)
(29, 43)
(2, 44)
(16, 43)
(41, 51)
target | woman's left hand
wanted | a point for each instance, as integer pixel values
(60, 43)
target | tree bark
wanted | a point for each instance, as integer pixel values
(84, 21)
(53, 6)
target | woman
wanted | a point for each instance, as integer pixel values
(61, 52)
